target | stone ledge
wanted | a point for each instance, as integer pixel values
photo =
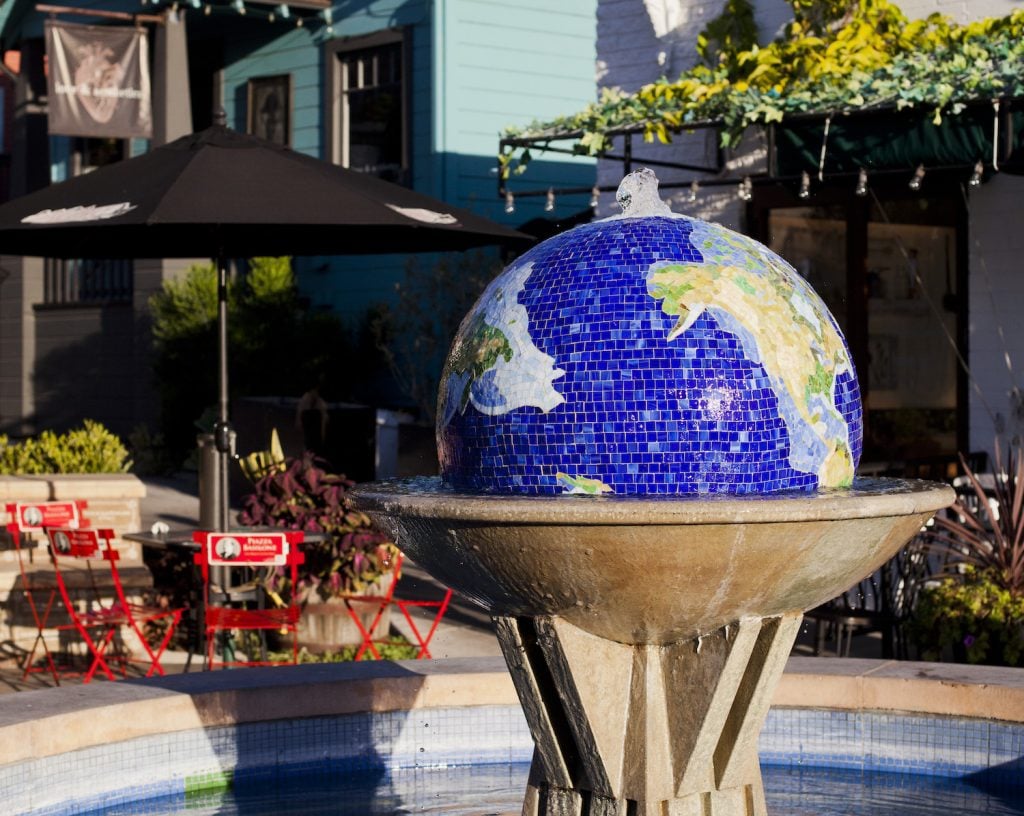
(67, 486)
(48, 722)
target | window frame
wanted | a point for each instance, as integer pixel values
(336, 119)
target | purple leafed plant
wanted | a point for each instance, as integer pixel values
(303, 495)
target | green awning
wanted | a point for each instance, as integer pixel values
(897, 140)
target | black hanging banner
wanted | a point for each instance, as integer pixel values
(98, 81)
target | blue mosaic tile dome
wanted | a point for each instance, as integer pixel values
(648, 353)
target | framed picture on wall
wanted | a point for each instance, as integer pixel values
(270, 105)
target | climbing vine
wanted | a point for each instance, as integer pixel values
(834, 56)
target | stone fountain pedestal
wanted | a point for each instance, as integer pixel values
(646, 636)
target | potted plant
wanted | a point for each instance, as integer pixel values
(353, 558)
(976, 611)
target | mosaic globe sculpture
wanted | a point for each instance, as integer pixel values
(649, 353)
(655, 359)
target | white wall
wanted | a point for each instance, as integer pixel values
(640, 40)
(996, 324)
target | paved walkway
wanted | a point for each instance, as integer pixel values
(466, 631)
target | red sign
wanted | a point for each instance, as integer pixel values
(34, 517)
(73, 543)
(247, 548)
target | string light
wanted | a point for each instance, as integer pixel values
(549, 203)
(979, 171)
(239, 6)
(595, 196)
(694, 189)
(283, 11)
(195, 3)
(862, 183)
(915, 182)
(746, 189)
(207, 9)
(271, 17)
(298, 22)
(510, 203)
(805, 185)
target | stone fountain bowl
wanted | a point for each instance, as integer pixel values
(646, 570)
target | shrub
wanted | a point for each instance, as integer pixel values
(973, 616)
(89, 449)
(986, 527)
(304, 496)
(977, 610)
(277, 345)
(417, 333)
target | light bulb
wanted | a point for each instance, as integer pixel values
(862, 183)
(595, 196)
(805, 185)
(510, 203)
(694, 189)
(979, 171)
(549, 204)
(915, 182)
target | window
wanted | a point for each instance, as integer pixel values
(368, 122)
(87, 281)
(270, 109)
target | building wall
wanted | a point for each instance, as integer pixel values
(498, 65)
(995, 328)
(83, 366)
(21, 285)
(639, 41)
(490, 65)
(262, 49)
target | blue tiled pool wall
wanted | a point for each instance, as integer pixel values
(187, 762)
(899, 743)
(639, 412)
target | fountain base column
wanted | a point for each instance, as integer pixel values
(645, 730)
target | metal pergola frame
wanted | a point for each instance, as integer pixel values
(710, 176)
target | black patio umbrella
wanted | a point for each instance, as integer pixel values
(221, 194)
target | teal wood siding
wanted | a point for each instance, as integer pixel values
(261, 50)
(507, 64)
(350, 285)
(482, 66)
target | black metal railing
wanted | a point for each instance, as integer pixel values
(87, 281)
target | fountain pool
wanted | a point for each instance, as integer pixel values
(407, 728)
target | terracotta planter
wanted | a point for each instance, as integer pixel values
(328, 625)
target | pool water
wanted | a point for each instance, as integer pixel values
(497, 790)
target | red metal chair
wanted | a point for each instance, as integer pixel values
(98, 619)
(39, 590)
(371, 640)
(231, 551)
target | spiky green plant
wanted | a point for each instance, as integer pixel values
(986, 528)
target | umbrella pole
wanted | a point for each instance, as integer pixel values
(223, 436)
(222, 431)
